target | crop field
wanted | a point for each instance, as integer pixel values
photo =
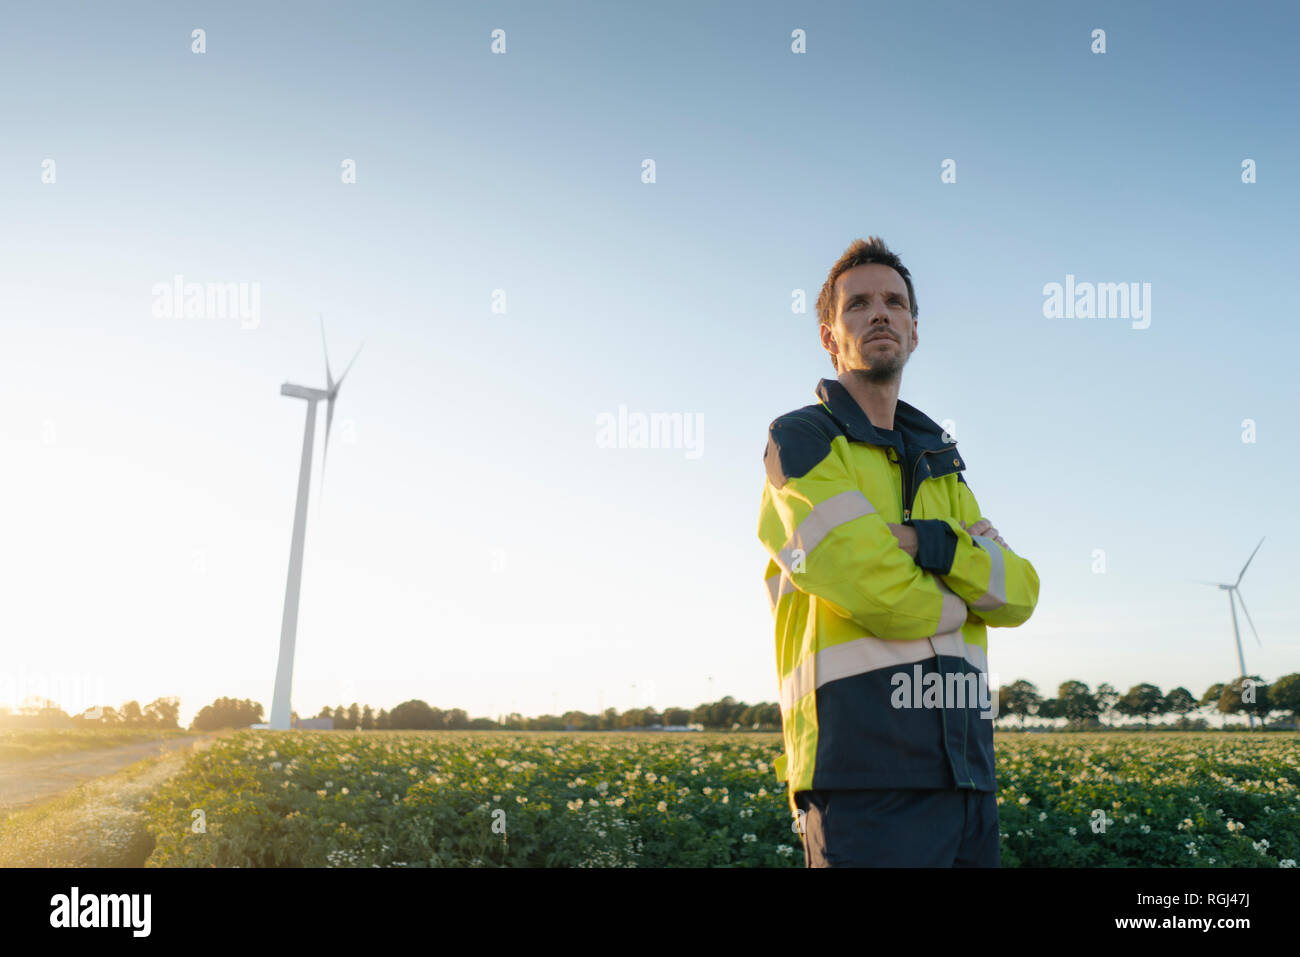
(24, 744)
(490, 799)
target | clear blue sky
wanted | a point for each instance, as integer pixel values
(474, 546)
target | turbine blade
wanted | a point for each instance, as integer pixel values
(329, 379)
(1248, 561)
(345, 371)
(1197, 581)
(1241, 599)
(329, 420)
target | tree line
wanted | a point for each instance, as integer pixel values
(41, 712)
(418, 715)
(1075, 704)
(1081, 707)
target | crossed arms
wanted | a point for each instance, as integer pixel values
(895, 581)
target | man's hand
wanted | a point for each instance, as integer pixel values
(985, 527)
(906, 536)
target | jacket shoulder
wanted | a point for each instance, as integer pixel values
(796, 442)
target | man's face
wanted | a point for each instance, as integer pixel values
(873, 331)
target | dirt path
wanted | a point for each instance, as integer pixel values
(27, 782)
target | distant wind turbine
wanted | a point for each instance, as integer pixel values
(280, 705)
(1232, 591)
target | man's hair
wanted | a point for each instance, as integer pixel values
(860, 253)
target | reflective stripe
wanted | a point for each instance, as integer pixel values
(869, 654)
(777, 586)
(821, 521)
(996, 596)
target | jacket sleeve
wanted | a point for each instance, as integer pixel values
(999, 586)
(830, 541)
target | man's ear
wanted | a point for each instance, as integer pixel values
(829, 344)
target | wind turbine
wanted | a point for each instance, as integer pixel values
(1232, 591)
(280, 704)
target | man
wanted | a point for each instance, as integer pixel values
(883, 580)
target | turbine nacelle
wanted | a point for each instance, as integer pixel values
(303, 392)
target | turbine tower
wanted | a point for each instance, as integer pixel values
(280, 704)
(1234, 591)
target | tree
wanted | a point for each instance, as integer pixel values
(1019, 698)
(1181, 702)
(677, 717)
(227, 713)
(1106, 697)
(1284, 694)
(1078, 706)
(1141, 701)
(1051, 709)
(132, 716)
(381, 720)
(354, 717)
(367, 719)
(457, 720)
(163, 712)
(340, 717)
(412, 715)
(1249, 695)
(579, 721)
(1210, 700)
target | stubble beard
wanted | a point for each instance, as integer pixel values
(882, 370)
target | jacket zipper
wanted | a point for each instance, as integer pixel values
(907, 508)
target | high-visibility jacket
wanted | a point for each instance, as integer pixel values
(882, 659)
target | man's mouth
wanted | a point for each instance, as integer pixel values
(880, 336)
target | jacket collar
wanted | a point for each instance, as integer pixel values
(919, 431)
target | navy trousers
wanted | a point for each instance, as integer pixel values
(900, 828)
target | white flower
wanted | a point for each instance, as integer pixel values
(785, 850)
(1146, 828)
(602, 787)
(1073, 832)
(662, 806)
(1289, 862)
(1024, 800)
(750, 838)
(1042, 815)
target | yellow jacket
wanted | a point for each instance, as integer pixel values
(882, 659)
